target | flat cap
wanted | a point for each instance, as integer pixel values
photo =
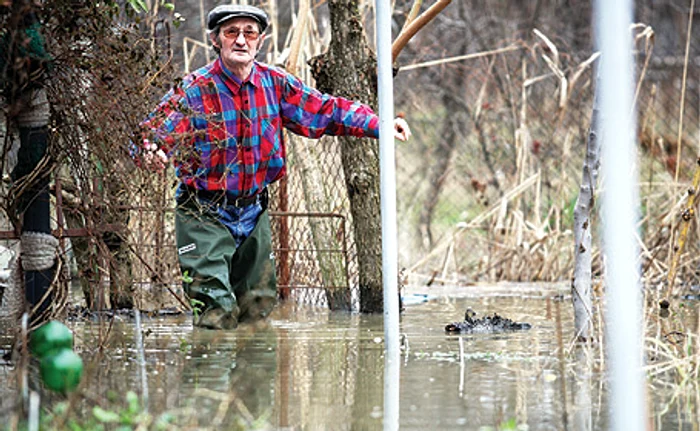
(223, 13)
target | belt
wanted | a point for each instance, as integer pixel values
(220, 197)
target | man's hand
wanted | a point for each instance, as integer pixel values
(154, 158)
(401, 130)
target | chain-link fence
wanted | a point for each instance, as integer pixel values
(488, 185)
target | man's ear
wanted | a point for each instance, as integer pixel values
(260, 42)
(212, 38)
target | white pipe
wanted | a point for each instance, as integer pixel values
(140, 353)
(388, 207)
(34, 404)
(620, 205)
(23, 364)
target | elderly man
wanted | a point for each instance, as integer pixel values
(222, 128)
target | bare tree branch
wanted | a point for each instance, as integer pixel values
(415, 25)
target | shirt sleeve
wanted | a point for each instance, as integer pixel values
(168, 126)
(308, 112)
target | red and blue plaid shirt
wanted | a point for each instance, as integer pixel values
(224, 134)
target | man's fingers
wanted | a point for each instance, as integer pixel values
(161, 155)
(402, 131)
(155, 159)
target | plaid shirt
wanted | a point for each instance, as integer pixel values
(224, 134)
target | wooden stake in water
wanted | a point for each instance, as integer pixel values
(142, 361)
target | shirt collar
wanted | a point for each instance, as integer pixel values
(253, 78)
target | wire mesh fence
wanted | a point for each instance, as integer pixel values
(140, 256)
(489, 194)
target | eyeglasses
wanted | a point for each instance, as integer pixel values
(233, 33)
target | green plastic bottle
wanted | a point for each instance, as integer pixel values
(49, 337)
(61, 370)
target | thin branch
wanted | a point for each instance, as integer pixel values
(461, 57)
(295, 48)
(412, 14)
(415, 25)
(683, 89)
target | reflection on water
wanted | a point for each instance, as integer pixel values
(309, 369)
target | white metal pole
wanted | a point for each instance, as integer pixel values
(387, 167)
(620, 205)
(34, 404)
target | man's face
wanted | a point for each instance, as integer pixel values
(239, 41)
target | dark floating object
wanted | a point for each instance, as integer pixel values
(485, 325)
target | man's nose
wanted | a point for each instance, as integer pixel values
(240, 36)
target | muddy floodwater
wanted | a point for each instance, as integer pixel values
(310, 369)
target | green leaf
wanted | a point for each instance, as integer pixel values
(187, 279)
(184, 345)
(197, 306)
(138, 5)
(510, 425)
(74, 426)
(169, 6)
(104, 416)
(133, 400)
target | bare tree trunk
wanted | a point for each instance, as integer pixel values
(581, 283)
(348, 70)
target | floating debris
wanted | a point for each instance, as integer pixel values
(485, 325)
